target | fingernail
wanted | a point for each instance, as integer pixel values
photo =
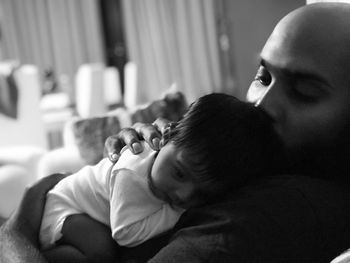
(136, 147)
(156, 143)
(114, 156)
(161, 144)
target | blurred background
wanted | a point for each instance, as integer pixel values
(89, 56)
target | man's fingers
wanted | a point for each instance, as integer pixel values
(126, 137)
(168, 132)
(131, 139)
(161, 124)
(113, 146)
(149, 133)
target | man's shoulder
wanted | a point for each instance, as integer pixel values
(287, 218)
(272, 218)
(284, 196)
(294, 186)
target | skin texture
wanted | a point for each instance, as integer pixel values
(131, 137)
(305, 110)
(304, 85)
(171, 178)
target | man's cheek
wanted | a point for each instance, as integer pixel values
(299, 133)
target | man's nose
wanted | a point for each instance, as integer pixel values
(256, 94)
(272, 101)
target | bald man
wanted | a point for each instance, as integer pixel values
(302, 216)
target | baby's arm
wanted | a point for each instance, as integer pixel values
(78, 237)
(136, 215)
(84, 240)
(146, 228)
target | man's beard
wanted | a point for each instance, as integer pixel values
(329, 161)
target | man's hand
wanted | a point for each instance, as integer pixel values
(27, 218)
(131, 137)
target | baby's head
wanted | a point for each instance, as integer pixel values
(218, 146)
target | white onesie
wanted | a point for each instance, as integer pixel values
(115, 195)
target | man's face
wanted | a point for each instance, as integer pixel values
(303, 84)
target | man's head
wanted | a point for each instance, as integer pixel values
(303, 82)
(219, 144)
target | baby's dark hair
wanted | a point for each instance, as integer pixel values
(227, 141)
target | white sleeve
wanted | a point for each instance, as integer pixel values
(81, 192)
(136, 215)
(138, 232)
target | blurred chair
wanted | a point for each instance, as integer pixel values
(89, 90)
(28, 128)
(56, 109)
(130, 90)
(22, 140)
(97, 88)
(112, 87)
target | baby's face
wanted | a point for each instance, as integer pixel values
(171, 180)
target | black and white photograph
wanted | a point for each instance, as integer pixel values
(174, 131)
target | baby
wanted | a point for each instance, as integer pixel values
(142, 196)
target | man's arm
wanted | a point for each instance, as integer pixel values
(15, 247)
(19, 234)
(84, 240)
